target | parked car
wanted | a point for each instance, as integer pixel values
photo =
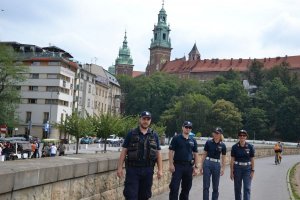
(113, 139)
(98, 140)
(86, 140)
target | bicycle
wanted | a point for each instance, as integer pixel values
(277, 158)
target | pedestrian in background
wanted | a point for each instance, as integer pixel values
(212, 164)
(61, 148)
(183, 162)
(242, 166)
(53, 150)
(141, 150)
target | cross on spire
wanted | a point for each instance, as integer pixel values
(163, 3)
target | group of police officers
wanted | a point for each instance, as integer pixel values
(141, 151)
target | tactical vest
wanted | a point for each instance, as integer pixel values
(139, 151)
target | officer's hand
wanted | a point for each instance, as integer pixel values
(252, 175)
(195, 171)
(201, 171)
(120, 173)
(231, 175)
(171, 168)
(222, 171)
(159, 174)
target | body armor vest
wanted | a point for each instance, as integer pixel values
(141, 150)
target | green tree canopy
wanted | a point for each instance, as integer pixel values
(226, 115)
(11, 75)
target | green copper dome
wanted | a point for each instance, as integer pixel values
(124, 54)
(161, 31)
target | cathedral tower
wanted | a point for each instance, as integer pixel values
(160, 48)
(124, 63)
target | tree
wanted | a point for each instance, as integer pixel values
(11, 75)
(151, 93)
(255, 73)
(105, 125)
(78, 127)
(193, 107)
(288, 119)
(232, 91)
(257, 123)
(226, 115)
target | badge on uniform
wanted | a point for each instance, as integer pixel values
(191, 143)
(247, 151)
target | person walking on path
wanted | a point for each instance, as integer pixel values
(242, 166)
(61, 148)
(183, 162)
(212, 164)
(141, 150)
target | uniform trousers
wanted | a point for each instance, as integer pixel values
(213, 170)
(242, 174)
(183, 174)
(138, 183)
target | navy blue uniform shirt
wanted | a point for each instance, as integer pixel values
(183, 148)
(242, 154)
(142, 138)
(214, 150)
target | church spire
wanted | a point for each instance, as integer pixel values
(194, 53)
(124, 62)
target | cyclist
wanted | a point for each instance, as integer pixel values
(278, 150)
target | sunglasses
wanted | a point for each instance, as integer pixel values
(243, 135)
(146, 118)
(188, 127)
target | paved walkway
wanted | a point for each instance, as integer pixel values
(269, 181)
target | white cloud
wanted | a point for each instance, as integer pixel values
(93, 28)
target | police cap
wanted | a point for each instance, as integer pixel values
(145, 114)
(242, 132)
(218, 130)
(187, 123)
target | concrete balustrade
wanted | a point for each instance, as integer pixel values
(83, 176)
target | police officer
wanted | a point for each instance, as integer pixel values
(242, 166)
(183, 153)
(141, 150)
(212, 165)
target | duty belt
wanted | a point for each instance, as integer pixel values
(181, 162)
(242, 163)
(212, 159)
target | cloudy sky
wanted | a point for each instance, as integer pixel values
(93, 30)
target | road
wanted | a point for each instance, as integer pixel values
(269, 181)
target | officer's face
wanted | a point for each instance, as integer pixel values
(145, 122)
(216, 135)
(186, 129)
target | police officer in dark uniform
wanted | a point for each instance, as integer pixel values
(141, 150)
(212, 164)
(242, 166)
(183, 153)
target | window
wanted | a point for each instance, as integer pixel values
(28, 117)
(88, 103)
(32, 101)
(90, 87)
(52, 76)
(80, 101)
(164, 36)
(34, 76)
(54, 63)
(46, 117)
(51, 89)
(64, 83)
(33, 88)
(35, 63)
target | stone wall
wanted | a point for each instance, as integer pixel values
(85, 177)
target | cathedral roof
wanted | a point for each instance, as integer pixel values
(222, 65)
